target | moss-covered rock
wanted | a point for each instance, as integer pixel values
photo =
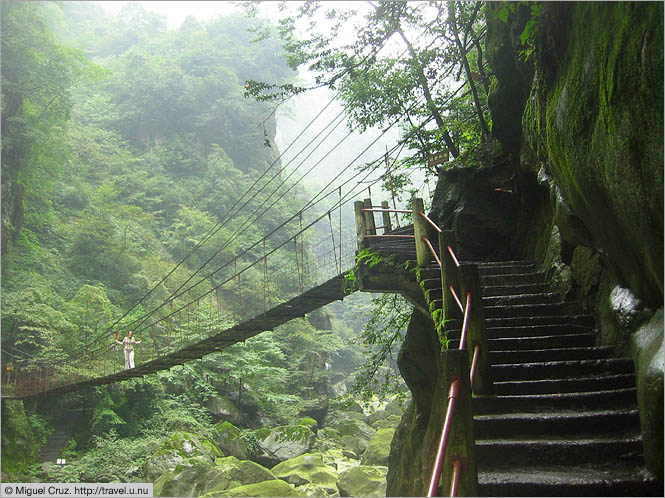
(379, 448)
(316, 490)
(351, 424)
(230, 441)
(340, 459)
(244, 471)
(223, 409)
(192, 479)
(307, 469)
(363, 480)
(309, 422)
(390, 422)
(393, 407)
(328, 438)
(182, 448)
(265, 488)
(282, 443)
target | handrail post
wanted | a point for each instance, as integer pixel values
(387, 225)
(470, 282)
(461, 440)
(369, 217)
(448, 274)
(361, 225)
(420, 231)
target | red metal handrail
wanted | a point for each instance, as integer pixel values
(474, 364)
(443, 440)
(457, 470)
(465, 323)
(436, 227)
(459, 303)
(436, 256)
(452, 254)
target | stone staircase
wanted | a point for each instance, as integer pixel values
(563, 420)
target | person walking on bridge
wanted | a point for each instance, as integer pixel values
(128, 343)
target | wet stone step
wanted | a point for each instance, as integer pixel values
(579, 480)
(563, 451)
(431, 273)
(561, 369)
(531, 310)
(510, 321)
(541, 342)
(431, 283)
(558, 386)
(518, 262)
(554, 354)
(535, 298)
(505, 269)
(536, 330)
(512, 279)
(531, 343)
(562, 422)
(610, 398)
(506, 290)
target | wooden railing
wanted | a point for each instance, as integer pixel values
(454, 463)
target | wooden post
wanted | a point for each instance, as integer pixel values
(448, 275)
(369, 217)
(423, 256)
(461, 441)
(387, 226)
(361, 225)
(476, 334)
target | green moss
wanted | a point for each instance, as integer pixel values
(308, 422)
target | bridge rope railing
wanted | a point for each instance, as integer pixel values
(454, 459)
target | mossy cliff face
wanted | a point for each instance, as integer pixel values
(580, 190)
(597, 124)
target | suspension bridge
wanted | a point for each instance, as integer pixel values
(303, 272)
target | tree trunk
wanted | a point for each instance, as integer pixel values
(422, 80)
(465, 62)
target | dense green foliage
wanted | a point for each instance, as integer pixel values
(123, 144)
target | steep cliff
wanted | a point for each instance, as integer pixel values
(575, 182)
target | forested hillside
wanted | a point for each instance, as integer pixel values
(123, 144)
